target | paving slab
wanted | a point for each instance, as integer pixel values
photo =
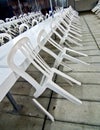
(92, 52)
(29, 108)
(87, 113)
(97, 38)
(88, 39)
(84, 68)
(92, 47)
(98, 43)
(17, 122)
(88, 52)
(87, 92)
(89, 43)
(58, 125)
(97, 35)
(82, 77)
(85, 37)
(91, 59)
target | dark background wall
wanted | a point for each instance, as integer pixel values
(5, 10)
(82, 5)
(9, 8)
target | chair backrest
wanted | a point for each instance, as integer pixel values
(7, 19)
(34, 22)
(4, 36)
(25, 48)
(1, 21)
(47, 15)
(44, 37)
(45, 41)
(56, 25)
(23, 27)
(41, 19)
(28, 51)
(13, 18)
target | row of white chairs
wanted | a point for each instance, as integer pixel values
(69, 28)
(71, 32)
(96, 9)
(15, 26)
(34, 56)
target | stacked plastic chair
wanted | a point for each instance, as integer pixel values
(16, 25)
(25, 46)
(69, 26)
(96, 9)
(4, 37)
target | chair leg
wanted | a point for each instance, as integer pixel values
(63, 41)
(57, 63)
(43, 109)
(79, 53)
(76, 29)
(65, 76)
(74, 37)
(63, 93)
(75, 32)
(73, 41)
(70, 58)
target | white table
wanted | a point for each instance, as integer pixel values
(7, 76)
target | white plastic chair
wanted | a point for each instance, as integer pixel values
(4, 36)
(73, 14)
(2, 21)
(47, 15)
(22, 27)
(13, 18)
(25, 48)
(61, 57)
(97, 7)
(72, 17)
(7, 19)
(44, 38)
(67, 37)
(68, 25)
(72, 29)
(64, 41)
(34, 22)
(74, 25)
(9, 30)
(40, 19)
